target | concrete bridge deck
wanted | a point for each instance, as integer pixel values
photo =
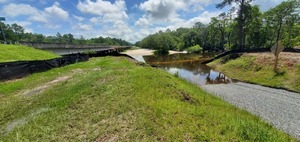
(63, 49)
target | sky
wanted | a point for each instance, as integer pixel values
(131, 20)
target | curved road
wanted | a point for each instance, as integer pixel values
(278, 107)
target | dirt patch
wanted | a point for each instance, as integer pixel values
(287, 59)
(42, 88)
(119, 127)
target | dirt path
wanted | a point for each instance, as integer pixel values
(279, 107)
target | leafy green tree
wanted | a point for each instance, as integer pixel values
(18, 31)
(283, 18)
(241, 17)
(253, 28)
(59, 38)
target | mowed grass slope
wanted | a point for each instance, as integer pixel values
(258, 68)
(19, 52)
(115, 99)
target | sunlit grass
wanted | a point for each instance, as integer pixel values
(114, 99)
(19, 52)
(250, 68)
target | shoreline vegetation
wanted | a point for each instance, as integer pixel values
(257, 68)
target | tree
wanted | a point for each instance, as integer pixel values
(285, 15)
(241, 17)
(253, 28)
(59, 38)
(18, 30)
(81, 40)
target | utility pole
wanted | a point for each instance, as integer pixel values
(3, 19)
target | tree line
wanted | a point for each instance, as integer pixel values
(15, 33)
(242, 27)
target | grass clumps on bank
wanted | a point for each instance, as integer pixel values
(19, 52)
(258, 68)
(114, 99)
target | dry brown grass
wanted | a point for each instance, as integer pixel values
(286, 59)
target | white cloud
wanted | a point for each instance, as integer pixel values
(109, 12)
(3, 1)
(94, 20)
(204, 17)
(50, 16)
(14, 10)
(167, 11)
(161, 9)
(142, 22)
(82, 27)
(78, 18)
(57, 12)
(267, 4)
(38, 17)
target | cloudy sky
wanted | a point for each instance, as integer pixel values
(131, 20)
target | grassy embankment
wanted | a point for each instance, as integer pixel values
(18, 52)
(115, 99)
(258, 68)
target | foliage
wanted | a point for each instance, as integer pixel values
(15, 33)
(284, 20)
(113, 99)
(161, 52)
(250, 29)
(18, 52)
(194, 49)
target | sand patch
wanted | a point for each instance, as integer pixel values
(144, 52)
(42, 88)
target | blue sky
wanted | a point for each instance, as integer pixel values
(131, 20)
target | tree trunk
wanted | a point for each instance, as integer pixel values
(277, 40)
(241, 25)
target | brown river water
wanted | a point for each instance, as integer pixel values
(187, 66)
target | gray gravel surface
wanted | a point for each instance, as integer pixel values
(279, 107)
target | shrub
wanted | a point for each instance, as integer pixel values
(194, 49)
(162, 51)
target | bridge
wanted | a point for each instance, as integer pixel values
(63, 49)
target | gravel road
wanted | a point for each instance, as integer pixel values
(278, 107)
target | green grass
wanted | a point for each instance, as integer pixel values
(19, 52)
(260, 71)
(114, 99)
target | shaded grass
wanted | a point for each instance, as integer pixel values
(18, 52)
(113, 99)
(259, 70)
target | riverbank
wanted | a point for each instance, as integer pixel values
(116, 99)
(258, 68)
(144, 52)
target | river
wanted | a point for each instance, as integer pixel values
(187, 66)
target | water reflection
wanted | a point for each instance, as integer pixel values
(189, 67)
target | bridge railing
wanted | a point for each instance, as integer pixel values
(42, 45)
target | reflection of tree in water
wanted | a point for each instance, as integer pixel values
(221, 78)
(190, 63)
(194, 66)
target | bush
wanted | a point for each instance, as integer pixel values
(194, 49)
(162, 51)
